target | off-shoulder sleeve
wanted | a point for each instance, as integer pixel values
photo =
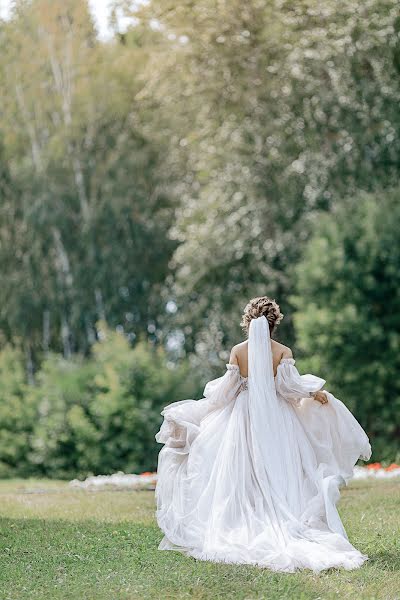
(292, 386)
(230, 380)
(336, 436)
(182, 419)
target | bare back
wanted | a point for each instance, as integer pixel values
(239, 356)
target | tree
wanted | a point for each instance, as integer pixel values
(84, 220)
(348, 311)
(274, 111)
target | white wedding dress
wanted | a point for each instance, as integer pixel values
(251, 472)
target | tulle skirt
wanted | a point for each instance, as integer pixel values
(218, 500)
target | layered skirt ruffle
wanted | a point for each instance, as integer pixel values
(217, 501)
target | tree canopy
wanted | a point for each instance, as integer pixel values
(201, 156)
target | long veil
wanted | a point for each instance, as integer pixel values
(266, 413)
(293, 485)
(285, 473)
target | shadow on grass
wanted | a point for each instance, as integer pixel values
(389, 560)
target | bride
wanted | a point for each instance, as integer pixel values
(251, 472)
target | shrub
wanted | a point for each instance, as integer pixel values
(17, 415)
(348, 311)
(100, 415)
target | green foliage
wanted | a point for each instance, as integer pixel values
(17, 415)
(188, 159)
(83, 222)
(280, 109)
(64, 438)
(87, 415)
(348, 311)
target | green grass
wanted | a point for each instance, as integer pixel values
(56, 542)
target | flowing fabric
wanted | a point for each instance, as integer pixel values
(251, 472)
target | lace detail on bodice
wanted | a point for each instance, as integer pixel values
(290, 362)
(245, 380)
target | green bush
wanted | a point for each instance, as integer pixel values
(17, 415)
(348, 311)
(65, 438)
(87, 415)
(100, 415)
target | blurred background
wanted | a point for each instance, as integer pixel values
(161, 163)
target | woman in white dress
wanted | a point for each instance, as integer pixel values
(251, 472)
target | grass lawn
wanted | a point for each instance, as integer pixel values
(56, 542)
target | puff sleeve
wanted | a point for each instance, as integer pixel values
(292, 386)
(182, 419)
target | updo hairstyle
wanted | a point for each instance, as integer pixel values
(259, 307)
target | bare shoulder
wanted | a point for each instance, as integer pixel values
(281, 350)
(238, 351)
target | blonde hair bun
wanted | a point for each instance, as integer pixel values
(261, 307)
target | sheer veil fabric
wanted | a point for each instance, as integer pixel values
(251, 472)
